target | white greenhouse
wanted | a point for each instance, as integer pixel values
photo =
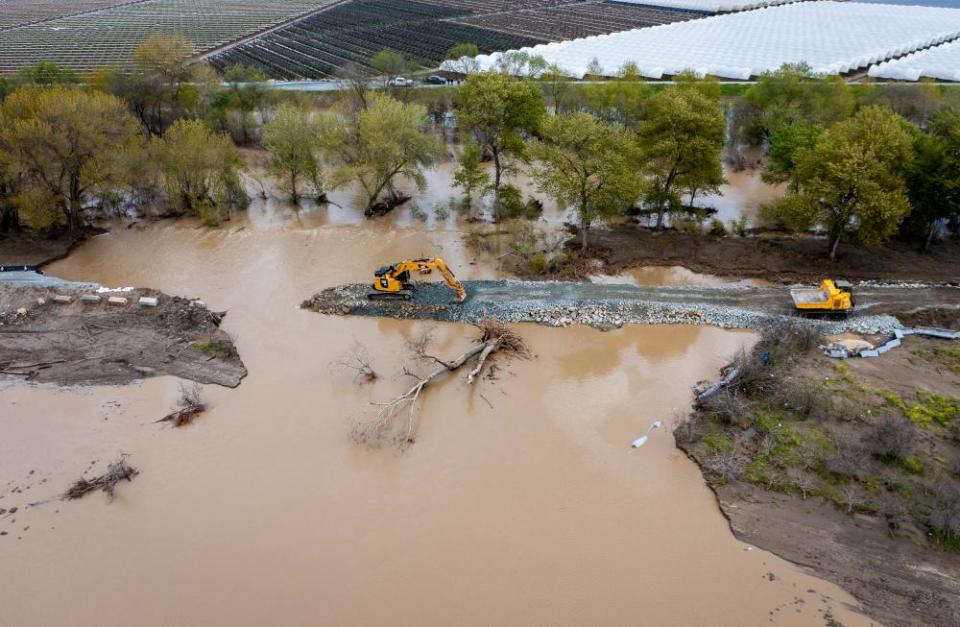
(941, 62)
(708, 6)
(831, 37)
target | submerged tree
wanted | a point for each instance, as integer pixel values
(200, 170)
(682, 141)
(852, 180)
(470, 175)
(385, 141)
(498, 110)
(63, 146)
(585, 164)
(293, 140)
(788, 109)
(245, 95)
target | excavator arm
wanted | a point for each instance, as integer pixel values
(393, 282)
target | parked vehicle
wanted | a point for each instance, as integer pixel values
(435, 80)
(399, 81)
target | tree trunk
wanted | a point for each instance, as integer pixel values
(834, 244)
(583, 234)
(496, 185)
(931, 230)
(293, 188)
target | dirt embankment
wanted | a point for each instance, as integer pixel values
(102, 343)
(36, 250)
(773, 258)
(851, 469)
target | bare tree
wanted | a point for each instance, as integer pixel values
(357, 361)
(397, 420)
(189, 406)
(802, 481)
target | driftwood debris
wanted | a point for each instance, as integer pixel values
(397, 420)
(188, 407)
(118, 471)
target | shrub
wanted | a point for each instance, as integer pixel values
(847, 460)
(726, 466)
(739, 226)
(891, 438)
(944, 508)
(728, 407)
(510, 202)
(717, 229)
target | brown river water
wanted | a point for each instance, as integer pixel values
(520, 503)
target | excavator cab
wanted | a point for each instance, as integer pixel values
(393, 282)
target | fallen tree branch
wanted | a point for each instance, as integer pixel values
(494, 337)
(189, 406)
(116, 472)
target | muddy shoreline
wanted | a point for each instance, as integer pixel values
(888, 560)
(772, 257)
(104, 343)
(895, 581)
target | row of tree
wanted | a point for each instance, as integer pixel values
(861, 164)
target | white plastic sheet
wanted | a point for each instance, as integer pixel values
(941, 62)
(831, 37)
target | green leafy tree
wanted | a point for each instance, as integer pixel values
(385, 141)
(165, 85)
(933, 179)
(462, 58)
(293, 140)
(47, 73)
(852, 181)
(471, 176)
(585, 164)
(64, 146)
(681, 140)
(498, 110)
(788, 109)
(200, 170)
(245, 95)
(389, 64)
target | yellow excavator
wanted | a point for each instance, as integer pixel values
(393, 282)
(832, 297)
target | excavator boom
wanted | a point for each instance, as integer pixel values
(393, 282)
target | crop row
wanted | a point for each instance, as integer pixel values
(291, 53)
(580, 20)
(19, 12)
(109, 36)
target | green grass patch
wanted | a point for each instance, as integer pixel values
(208, 348)
(892, 399)
(912, 465)
(717, 442)
(947, 541)
(934, 408)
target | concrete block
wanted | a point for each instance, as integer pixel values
(117, 300)
(90, 299)
(41, 301)
(62, 299)
(22, 311)
(148, 301)
(199, 304)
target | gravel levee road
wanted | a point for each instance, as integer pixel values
(606, 306)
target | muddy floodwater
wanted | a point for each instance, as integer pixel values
(520, 503)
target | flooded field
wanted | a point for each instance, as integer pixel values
(520, 502)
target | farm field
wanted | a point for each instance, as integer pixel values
(107, 37)
(19, 12)
(424, 31)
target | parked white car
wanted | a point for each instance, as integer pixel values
(399, 81)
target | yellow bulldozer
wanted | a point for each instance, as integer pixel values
(393, 282)
(831, 298)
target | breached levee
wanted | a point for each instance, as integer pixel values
(602, 306)
(70, 333)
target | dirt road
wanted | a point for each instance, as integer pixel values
(613, 305)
